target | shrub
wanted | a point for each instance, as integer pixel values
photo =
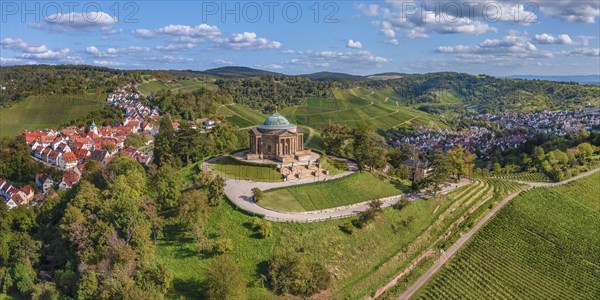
(258, 194)
(401, 203)
(292, 274)
(223, 246)
(347, 228)
(263, 227)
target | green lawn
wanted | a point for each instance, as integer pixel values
(545, 244)
(48, 111)
(231, 168)
(351, 189)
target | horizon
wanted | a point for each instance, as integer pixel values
(316, 72)
(542, 38)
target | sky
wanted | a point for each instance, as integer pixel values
(543, 37)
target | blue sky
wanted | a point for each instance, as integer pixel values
(294, 37)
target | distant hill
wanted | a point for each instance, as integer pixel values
(387, 76)
(237, 72)
(583, 79)
(332, 76)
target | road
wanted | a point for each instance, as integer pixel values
(448, 254)
(240, 193)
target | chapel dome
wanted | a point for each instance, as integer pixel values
(276, 122)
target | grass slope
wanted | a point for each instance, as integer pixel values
(48, 111)
(355, 106)
(351, 189)
(361, 262)
(241, 116)
(231, 168)
(545, 244)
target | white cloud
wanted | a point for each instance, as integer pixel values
(562, 39)
(248, 41)
(578, 11)
(200, 32)
(354, 44)
(39, 52)
(75, 21)
(168, 59)
(114, 52)
(513, 46)
(224, 62)
(109, 63)
(176, 47)
(270, 66)
(585, 51)
(392, 42)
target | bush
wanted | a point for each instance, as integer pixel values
(292, 274)
(263, 227)
(258, 194)
(347, 228)
(223, 246)
(401, 203)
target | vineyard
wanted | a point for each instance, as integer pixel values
(455, 213)
(525, 177)
(545, 244)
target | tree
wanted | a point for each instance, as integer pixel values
(441, 170)
(585, 152)
(369, 147)
(45, 291)
(24, 278)
(258, 194)
(193, 208)
(292, 274)
(135, 140)
(224, 281)
(6, 280)
(216, 190)
(168, 184)
(88, 285)
(335, 137)
(497, 168)
(156, 277)
(461, 161)
(223, 246)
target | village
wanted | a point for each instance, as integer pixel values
(517, 127)
(67, 149)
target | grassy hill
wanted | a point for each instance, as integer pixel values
(188, 85)
(545, 244)
(381, 108)
(241, 116)
(49, 111)
(237, 72)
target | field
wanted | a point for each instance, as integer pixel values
(231, 168)
(360, 262)
(189, 85)
(379, 108)
(545, 244)
(525, 177)
(241, 116)
(355, 188)
(48, 111)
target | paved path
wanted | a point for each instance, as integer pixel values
(463, 239)
(239, 192)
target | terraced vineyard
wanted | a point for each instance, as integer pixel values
(183, 86)
(545, 244)
(241, 116)
(526, 177)
(381, 109)
(453, 214)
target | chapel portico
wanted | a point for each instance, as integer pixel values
(277, 139)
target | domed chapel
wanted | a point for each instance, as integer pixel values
(277, 139)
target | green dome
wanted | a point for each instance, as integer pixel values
(276, 122)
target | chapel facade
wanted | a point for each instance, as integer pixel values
(277, 139)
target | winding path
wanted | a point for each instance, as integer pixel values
(240, 193)
(447, 255)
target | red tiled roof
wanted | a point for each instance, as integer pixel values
(70, 157)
